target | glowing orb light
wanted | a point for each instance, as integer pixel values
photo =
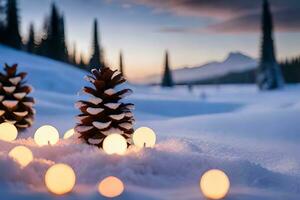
(115, 144)
(46, 135)
(21, 155)
(144, 137)
(111, 187)
(69, 133)
(214, 184)
(8, 132)
(60, 179)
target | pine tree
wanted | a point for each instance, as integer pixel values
(2, 32)
(269, 75)
(82, 64)
(121, 64)
(13, 37)
(73, 56)
(42, 46)
(15, 105)
(31, 45)
(55, 43)
(167, 80)
(103, 114)
(62, 38)
(53, 36)
(96, 59)
(291, 70)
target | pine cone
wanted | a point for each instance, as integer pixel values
(103, 114)
(15, 105)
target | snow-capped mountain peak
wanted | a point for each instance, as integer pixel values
(237, 57)
(233, 63)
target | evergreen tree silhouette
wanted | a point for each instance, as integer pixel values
(63, 47)
(269, 75)
(291, 70)
(53, 36)
(42, 46)
(121, 63)
(13, 37)
(167, 80)
(53, 44)
(73, 55)
(31, 45)
(96, 58)
(82, 64)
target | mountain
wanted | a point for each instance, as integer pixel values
(236, 65)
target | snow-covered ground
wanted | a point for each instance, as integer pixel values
(253, 136)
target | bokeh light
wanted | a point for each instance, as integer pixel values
(60, 179)
(69, 133)
(8, 132)
(115, 144)
(111, 187)
(46, 135)
(21, 155)
(214, 184)
(144, 137)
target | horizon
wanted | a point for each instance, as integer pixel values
(192, 31)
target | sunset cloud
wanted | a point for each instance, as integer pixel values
(229, 16)
(284, 21)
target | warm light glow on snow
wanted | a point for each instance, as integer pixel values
(115, 144)
(111, 187)
(214, 184)
(60, 179)
(144, 137)
(46, 135)
(21, 155)
(8, 132)
(69, 133)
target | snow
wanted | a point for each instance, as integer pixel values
(253, 136)
(235, 62)
(45, 74)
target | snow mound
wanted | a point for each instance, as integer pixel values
(44, 73)
(174, 163)
(253, 136)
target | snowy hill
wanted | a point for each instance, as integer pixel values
(253, 136)
(44, 73)
(55, 85)
(234, 63)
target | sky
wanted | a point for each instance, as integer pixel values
(193, 31)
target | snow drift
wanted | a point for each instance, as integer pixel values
(253, 136)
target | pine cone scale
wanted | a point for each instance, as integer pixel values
(103, 114)
(15, 106)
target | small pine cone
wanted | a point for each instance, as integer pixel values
(103, 114)
(15, 106)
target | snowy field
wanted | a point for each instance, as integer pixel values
(253, 136)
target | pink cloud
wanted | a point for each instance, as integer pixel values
(231, 16)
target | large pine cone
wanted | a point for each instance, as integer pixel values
(15, 105)
(103, 114)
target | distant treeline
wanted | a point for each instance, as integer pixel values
(291, 70)
(244, 77)
(50, 42)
